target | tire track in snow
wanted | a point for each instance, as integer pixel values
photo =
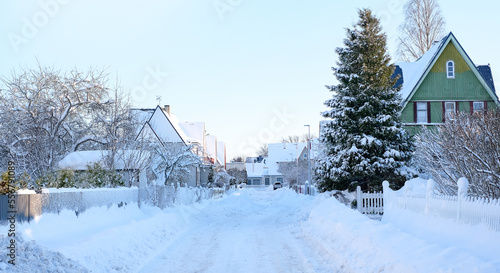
(261, 234)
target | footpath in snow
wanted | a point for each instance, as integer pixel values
(247, 231)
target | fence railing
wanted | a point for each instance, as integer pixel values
(29, 206)
(461, 208)
(306, 189)
(369, 203)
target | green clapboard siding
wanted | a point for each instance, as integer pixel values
(407, 114)
(436, 87)
(465, 85)
(436, 112)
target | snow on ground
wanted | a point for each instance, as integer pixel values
(249, 231)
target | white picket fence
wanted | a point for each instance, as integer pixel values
(369, 203)
(461, 208)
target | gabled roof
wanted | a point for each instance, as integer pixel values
(413, 74)
(212, 147)
(164, 126)
(485, 72)
(221, 152)
(194, 132)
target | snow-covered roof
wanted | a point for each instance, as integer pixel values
(282, 152)
(221, 152)
(278, 152)
(212, 147)
(79, 160)
(412, 72)
(194, 131)
(255, 169)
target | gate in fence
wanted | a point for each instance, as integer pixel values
(370, 202)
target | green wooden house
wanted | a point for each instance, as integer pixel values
(443, 81)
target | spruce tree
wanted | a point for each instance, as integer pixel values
(363, 140)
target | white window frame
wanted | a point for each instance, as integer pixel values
(479, 109)
(452, 74)
(422, 110)
(448, 113)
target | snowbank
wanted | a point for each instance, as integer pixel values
(400, 243)
(102, 239)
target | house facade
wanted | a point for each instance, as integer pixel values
(441, 82)
(161, 125)
(265, 171)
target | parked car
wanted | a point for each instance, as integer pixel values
(277, 185)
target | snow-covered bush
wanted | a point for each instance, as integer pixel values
(173, 162)
(238, 176)
(464, 146)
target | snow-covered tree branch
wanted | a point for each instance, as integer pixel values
(465, 146)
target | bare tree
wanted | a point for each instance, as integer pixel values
(44, 112)
(294, 172)
(174, 161)
(296, 139)
(465, 146)
(238, 159)
(291, 139)
(263, 150)
(240, 176)
(423, 25)
(115, 129)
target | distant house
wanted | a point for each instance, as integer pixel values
(126, 162)
(264, 171)
(163, 126)
(443, 81)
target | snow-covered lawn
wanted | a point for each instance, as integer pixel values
(248, 231)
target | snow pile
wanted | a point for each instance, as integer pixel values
(101, 239)
(31, 257)
(400, 243)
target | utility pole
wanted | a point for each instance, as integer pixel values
(309, 153)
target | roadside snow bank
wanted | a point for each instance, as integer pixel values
(101, 239)
(31, 257)
(359, 244)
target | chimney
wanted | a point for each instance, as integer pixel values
(167, 109)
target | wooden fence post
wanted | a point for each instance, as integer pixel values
(359, 200)
(463, 186)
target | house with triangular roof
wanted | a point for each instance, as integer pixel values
(164, 127)
(443, 81)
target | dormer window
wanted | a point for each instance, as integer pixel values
(450, 69)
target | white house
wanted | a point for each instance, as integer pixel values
(263, 171)
(163, 126)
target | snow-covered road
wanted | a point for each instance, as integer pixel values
(249, 231)
(261, 235)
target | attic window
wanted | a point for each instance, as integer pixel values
(450, 69)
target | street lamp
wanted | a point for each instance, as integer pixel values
(309, 154)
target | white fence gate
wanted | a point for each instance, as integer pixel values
(369, 203)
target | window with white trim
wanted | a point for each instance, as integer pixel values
(450, 69)
(449, 108)
(478, 107)
(421, 112)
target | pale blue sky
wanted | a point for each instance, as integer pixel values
(254, 72)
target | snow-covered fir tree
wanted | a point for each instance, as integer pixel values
(364, 142)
